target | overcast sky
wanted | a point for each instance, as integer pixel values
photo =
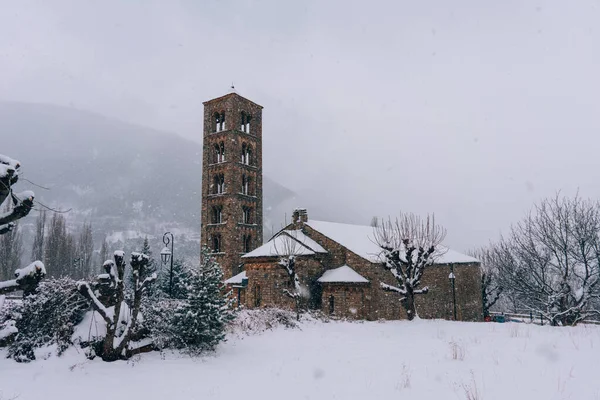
(473, 110)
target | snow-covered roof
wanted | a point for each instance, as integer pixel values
(341, 275)
(360, 240)
(237, 279)
(280, 244)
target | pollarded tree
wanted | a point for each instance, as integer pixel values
(121, 321)
(408, 246)
(22, 203)
(550, 261)
(287, 250)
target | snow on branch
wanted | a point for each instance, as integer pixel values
(26, 279)
(408, 246)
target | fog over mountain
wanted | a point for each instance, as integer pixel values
(130, 181)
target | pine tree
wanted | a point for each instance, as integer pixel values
(199, 322)
(149, 269)
(179, 280)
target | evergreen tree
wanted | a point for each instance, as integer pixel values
(149, 269)
(179, 280)
(199, 321)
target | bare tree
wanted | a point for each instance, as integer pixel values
(11, 251)
(408, 246)
(85, 250)
(37, 250)
(118, 335)
(287, 252)
(491, 289)
(550, 260)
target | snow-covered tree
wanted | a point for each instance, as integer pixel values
(26, 279)
(118, 334)
(195, 321)
(408, 246)
(550, 261)
(47, 316)
(103, 255)
(287, 251)
(21, 203)
(200, 320)
(491, 290)
(180, 274)
(149, 269)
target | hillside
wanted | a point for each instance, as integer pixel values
(418, 360)
(128, 180)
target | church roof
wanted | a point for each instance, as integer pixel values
(301, 244)
(360, 240)
(232, 94)
(343, 274)
(237, 279)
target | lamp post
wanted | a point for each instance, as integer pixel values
(166, 255)
(452, 278)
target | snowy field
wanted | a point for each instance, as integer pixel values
(339, 360)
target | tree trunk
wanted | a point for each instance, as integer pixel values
(409, 305)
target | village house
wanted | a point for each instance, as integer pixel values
(338, 264)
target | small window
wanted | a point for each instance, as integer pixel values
(217, 245)
(219, 153)
(245, 125)
(245, 185)
(247, 243)
(219, 184)
(246, 215)
(331, 304)
(257, 296)
(246, 154)
(219, 121)
(217, 215)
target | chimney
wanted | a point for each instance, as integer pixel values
(300, 215)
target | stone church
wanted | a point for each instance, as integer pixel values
(337, 263)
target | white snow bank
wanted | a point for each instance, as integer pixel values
(338, 360)
(342, 274)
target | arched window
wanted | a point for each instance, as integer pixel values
(245, 125)
(247, 243)
(246, 185)
(217, 214)
(217, 245)
(246, 154)
(219, 121)
(219, 153)
(219, 184)
(246, 215)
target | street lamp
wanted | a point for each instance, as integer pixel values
(452, 278)
(166, 255)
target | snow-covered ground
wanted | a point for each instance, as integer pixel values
(339, 360)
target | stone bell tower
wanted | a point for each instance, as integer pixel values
(232, 200)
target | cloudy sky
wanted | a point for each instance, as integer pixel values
(473, 110)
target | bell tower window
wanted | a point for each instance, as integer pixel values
(219, 153)
(246, 154)
(246, 185)
(219, 184)
(245, 125)
(217, 243)
(247, 243)
(246, 215)
(219, 121)
(217, 215)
